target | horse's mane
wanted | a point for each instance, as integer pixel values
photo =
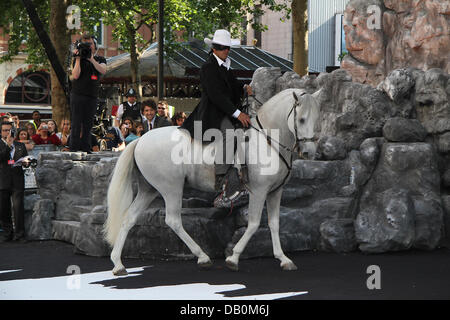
(282, 98)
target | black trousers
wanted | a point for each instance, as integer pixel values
(17, 211)
(83, 110)
(230, 145)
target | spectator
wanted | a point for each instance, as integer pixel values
(52, 127)
(16, 121)
(114, 140)
(30, 128)
(36, 119)
(168, 111)
(129, 122)
(12, 185)
(178, 118)
(43, 136)
(163, 110)
(139, 129)
(24, 137)
(65, 132)
(151, 122)
(129, 109)
(128, 132)
(131, 136)
(124, 130)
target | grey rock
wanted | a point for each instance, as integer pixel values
(444, 143)
(429, 223)
(432, 100)
(446, 218)
(66, 231)
(399, 84)
(264, 87)
(446, 178)
(397, 200)
(331, 148)
(293, 80)
(388, 225)
(90, 239)
(404, 130)
(338, 235)
(41, 223)
(370, 151)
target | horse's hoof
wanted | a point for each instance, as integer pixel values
(231, 265)
(205, 265)
(289, 266)
(120, 272)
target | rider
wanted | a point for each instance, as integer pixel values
(218, 107)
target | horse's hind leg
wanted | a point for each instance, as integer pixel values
(143, 199)
(173, 202)
(256, 204)
(273, 211)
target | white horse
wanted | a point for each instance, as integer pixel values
(152, 154)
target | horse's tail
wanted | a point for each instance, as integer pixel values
(120, 193)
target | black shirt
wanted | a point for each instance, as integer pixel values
(88, 82)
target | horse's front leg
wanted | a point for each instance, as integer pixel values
(256, 204)
(173, 220)
(273, 211)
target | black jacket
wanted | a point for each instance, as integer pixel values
(159, 122)
(221, 97)
(11, 178)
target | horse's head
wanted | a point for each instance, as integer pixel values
(305, 113)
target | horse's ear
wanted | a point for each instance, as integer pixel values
(295, 96)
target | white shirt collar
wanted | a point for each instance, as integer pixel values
(226, 63)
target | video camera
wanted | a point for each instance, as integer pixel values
(26, 162)
(84, 49)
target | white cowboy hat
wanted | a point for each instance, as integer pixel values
(221, 36)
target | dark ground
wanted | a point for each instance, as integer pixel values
(404, 275)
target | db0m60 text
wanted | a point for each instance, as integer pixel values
(245, 309)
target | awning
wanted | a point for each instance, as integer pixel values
(187, 61)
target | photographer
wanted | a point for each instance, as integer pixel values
(12, 185)
(87, 69)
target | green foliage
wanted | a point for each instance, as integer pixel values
(183, 19)
(22, 37)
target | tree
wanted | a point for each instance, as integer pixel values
(183, 19)
(23, 38)
(300, 34)
(60, 37)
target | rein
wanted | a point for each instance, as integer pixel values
(290, 150)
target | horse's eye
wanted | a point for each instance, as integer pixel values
(302, 120)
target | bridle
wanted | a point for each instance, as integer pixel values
(296, 142)
(296, 138)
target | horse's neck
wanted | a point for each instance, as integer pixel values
(274, 116)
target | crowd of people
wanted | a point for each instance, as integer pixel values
(21, 137)
(41, 132)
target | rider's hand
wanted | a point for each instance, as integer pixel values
(244, 119)
(249, 89)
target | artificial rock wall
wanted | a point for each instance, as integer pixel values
(384, 35)
(380, 180)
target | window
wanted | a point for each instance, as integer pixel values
(99, 34)
(339, 43)
(29, 87)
